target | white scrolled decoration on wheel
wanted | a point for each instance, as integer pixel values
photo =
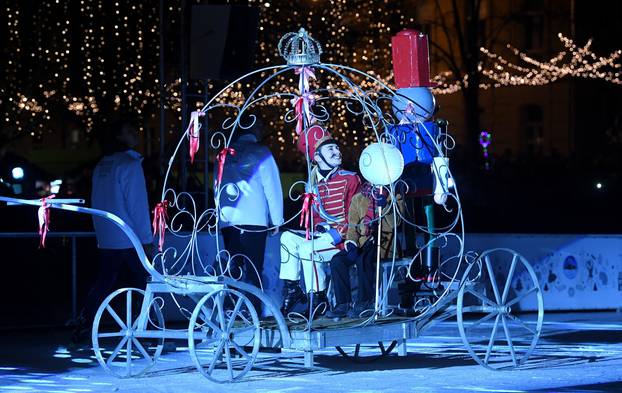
(381, 163)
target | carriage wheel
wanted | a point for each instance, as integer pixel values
(223, 335)
(362, 353)
(121, 342)
(497, 334)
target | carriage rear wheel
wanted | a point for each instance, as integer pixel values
(500, 309)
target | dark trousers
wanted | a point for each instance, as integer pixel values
(253, 246)
(340, 266)
(111, 262)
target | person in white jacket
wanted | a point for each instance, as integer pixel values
(251, 204)
(118, 187)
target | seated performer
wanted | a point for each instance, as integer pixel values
(335, 189)
(360, 250)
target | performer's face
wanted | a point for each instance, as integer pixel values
(328, 156)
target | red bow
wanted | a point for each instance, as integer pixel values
(44, 219)
(306, 211)
(302, 107)
(193, 133)
(221, 157)
(160, 216)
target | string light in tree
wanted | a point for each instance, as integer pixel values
(115, 50)
(573, 61)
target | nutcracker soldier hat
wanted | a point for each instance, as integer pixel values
(411, 59)
(316, 137)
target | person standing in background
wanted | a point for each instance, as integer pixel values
(119, 188)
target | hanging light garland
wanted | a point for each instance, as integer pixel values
(573, 61)
(118, 48)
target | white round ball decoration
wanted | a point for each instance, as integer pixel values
(423, 107)
(381, 163)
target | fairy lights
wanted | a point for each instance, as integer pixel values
(573, 61)
(59, 58)
(105, 53)
(353, 33)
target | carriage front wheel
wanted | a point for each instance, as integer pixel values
(500, 309)
(223, 335)
(127, 333)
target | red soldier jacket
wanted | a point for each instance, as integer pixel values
(335, 193)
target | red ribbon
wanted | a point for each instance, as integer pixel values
(305, 73)
(305, 215)
(221, 158)
(193, 133)
(160, 216)
(302, 107)
(44, 219)
(298, 109)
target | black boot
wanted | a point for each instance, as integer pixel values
(292, 295)
(339, 311)
(320, 303)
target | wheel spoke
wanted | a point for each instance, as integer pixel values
(239, 349)
(128, 308)
(221, 312)
(520, 322)
(508, 280)
(236, 309)
(481, 320)
(135, 324)
(491, 342)
(128, 357)
(116, 317)
(141, 349)
(120, 333)
(381, 346)
(228, 360)
(115, 352)
(491, 274)
(216, 328)
(481, 297)
(245, 320)
(216, 356)
(521, 297)
(509, 340)
(205, 313)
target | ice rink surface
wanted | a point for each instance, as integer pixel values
(577, 352)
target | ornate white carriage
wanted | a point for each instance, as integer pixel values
(224, 333)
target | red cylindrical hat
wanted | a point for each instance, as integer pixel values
(411, 59)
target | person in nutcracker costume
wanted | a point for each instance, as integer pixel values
(324, 214)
